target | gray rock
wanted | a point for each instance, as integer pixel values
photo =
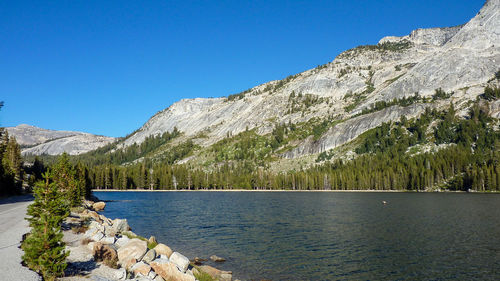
(98, 206)
(97, 236)
(122, 241)
(180, 261)
(120, 225)
(152, 274)
(121, 274)
(141, 268)
(217, 258)
(108, 240)
(135, 248)
(99, 278)
(90, 232)
(158, 278)
(149, 256)
(52, 142)
(161, 260)
(352, 128)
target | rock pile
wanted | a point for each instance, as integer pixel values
(131, 257)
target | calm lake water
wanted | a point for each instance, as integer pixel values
(324, 236)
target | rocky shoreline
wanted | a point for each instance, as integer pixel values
(103, 249)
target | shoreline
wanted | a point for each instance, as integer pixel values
(288, 190)
(115, 252)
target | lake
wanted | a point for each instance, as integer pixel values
(324, 235)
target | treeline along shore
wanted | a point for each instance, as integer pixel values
(436, 151)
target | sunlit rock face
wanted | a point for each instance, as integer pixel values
(38, 141)
(460, 59)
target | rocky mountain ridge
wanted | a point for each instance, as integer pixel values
(460, 60)
(38, 141)
(342, 94)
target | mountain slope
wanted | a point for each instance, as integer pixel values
(459, 59)
(38, 141)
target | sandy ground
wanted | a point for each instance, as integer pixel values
(12, 227)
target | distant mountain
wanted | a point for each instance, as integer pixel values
(38, 141)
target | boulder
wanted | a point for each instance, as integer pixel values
(135, 248)
(110, 231)
(99, 278)
(149, 256)
(128, 263)
(169, 272)
(96, 225)
(152, 240)
(162, 249)
(106, 254)
(141, 268)
(88, 203)
(120, 274)
(122, 241)
(97, 236)
(180, 261)
(141, 278)
(216, 273)
(198, 261)
(106, 220)
(217, 259)
(120, 225)
(152, 274)
(108, 240)
(226, 277)
(90, 232)
(99, 206)
(158, 278)
(95, 216)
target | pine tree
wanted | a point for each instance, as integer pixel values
(43, 247)
(65, 177)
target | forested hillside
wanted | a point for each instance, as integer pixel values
(439, 150)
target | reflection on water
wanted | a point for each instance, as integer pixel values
(324, 236)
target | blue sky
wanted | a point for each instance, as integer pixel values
(105, 67)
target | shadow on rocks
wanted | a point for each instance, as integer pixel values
(80, 268)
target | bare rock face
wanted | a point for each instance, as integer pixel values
(452, 58)
(352, 128)
(169, 272)
(135, 248)
(73, 145)
(461, 59)
(42, 141)
(27, 135)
